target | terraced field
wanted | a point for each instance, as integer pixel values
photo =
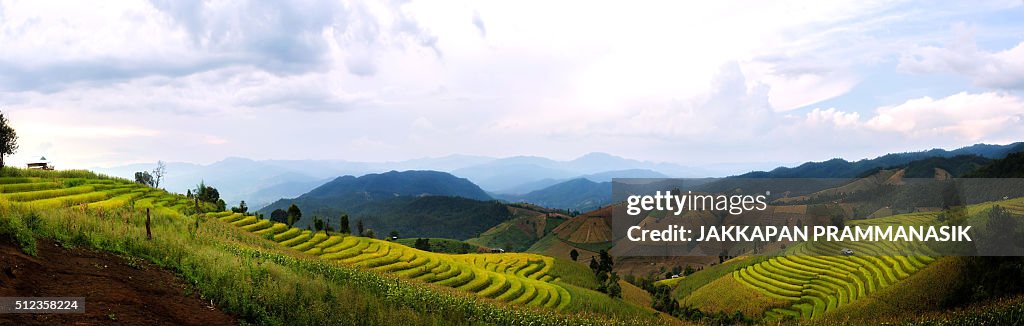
(816, 279)
(510, 277)
(46, 193)
(513, 277)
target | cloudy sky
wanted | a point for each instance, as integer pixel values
(113, 83)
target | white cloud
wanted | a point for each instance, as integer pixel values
(966, 116)
(833, 117)
(1002, 69)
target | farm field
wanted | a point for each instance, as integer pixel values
(519, 278)
(815, 279)
(300, 276)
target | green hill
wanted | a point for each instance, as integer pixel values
(529, 224)
(267, 273)
(405, 183)
(413, 203)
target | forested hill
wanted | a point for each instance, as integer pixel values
(839, 168)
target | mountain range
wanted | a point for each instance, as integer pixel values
(260, 182)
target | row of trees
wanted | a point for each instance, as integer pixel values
(294, 214)
(608, 281)
(154, 177)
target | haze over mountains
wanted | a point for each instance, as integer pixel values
(260, 182)
(581, 184)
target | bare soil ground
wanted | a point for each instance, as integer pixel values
(117, 290)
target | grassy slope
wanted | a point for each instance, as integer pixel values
(921, 292)
(694, 281)
(727, 295)
(246, 274)
(521, 232)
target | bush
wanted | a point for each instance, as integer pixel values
(13, 229)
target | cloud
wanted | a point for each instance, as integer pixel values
(392, 80)
(963, 115)
(50, 47)
(479, 23)
(992, 69)
(833, 117)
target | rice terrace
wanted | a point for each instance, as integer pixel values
(345, 162)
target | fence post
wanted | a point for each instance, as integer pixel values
(149, 235)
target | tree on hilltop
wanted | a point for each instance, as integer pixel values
(8, 139)
(158, 173)
(144, 178)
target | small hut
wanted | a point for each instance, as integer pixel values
(43, 164)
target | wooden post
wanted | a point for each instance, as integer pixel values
(149, 235)
(199, 211)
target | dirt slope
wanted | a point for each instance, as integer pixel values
(116, 290)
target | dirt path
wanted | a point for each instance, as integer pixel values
(116, 290)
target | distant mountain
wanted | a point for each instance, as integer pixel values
(578, 194)
(236, 179)
(511, 172)
(606, 176)
(839, 168)
(521, 174)
(261, 182)
(407, 183)
(414, 203)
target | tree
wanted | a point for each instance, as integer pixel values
(158, 173)
(393, 234)
(207, 193)
(294, 214)
(242, 208)
(279, 216)
(662, 300)
(689, 270)
(344, 224)
(8, 139)
(1001, 235)
(605, 261)
(593, 265)
(614, 289)
(144, 178)
(422, 244)
(318, 223)
(370, 233)
(359, 227)
(574, 254)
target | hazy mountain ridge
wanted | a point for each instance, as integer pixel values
(840, 168)
(578, 194)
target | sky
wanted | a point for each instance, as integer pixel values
(114, 83)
